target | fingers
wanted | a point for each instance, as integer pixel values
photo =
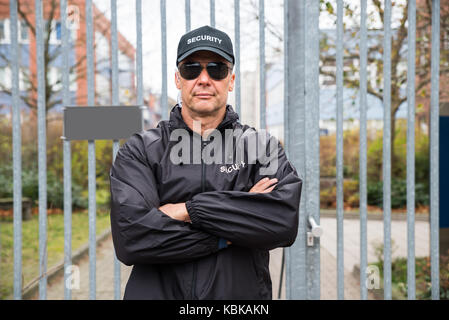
(269, 189)
(264, 185)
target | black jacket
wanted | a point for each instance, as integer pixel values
(180, 260)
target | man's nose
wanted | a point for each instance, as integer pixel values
(204, 77)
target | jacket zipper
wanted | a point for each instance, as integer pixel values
(203, 189)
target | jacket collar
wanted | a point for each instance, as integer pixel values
(177, 122)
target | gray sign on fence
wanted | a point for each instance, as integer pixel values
(102, 123)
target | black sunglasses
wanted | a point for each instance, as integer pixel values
(216, 70)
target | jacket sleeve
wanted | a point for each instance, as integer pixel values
(141, 233)
(253, 220)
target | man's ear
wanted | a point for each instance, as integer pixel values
(231, 85)
(177, 80)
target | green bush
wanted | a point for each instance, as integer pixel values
(350, 187)
(353, 200)
(6, 187)
(398, 194)
(423, 282)
(55, 164)
(328, 197)
(30, 187)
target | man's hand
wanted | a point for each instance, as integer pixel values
(177, 211)
(264, 185)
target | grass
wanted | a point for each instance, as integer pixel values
(30, 244)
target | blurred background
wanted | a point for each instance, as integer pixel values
(250, 103)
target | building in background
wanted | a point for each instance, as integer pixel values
(78, 61)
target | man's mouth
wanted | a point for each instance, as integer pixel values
(203, 95)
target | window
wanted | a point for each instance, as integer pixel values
(58, 31)
(55, 31)
(73, 77)
(5, 35)
(5, 78)
(23, 31)
(4, 31)
(24, 79)
(54, 75)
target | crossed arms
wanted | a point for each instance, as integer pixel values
(144, 232)
(178, 211)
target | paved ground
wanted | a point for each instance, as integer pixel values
(105, 276)
(328, 288)
(351, 239)
(375, 235)
(105, 264)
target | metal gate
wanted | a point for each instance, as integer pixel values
(301, 136)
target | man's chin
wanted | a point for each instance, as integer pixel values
(205, 109)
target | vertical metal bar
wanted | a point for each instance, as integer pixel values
(164, 106)
(90, 54)
(237, 56)
(282, 274)
(296, 280)
(139, 67)
(67, 219)
(285, 252)
(117, 276)
(312, 142)
(187, 9)
(339, 82)
(67, 155)
(263, 123)
(91, 154)
(434, 152)
(212, 13)
(363, 153)
(116, 101)
(286, 102)
(114, 54)
(411, 150)
(42, 161)
(17, 154)
(115, 150)
(92, 220)
(387, 151)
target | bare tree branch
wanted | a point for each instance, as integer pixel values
(24, 16)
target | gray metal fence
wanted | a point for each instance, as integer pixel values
(301, 136)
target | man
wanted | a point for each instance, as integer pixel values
(196, 229)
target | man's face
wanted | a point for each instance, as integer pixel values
(204, 95)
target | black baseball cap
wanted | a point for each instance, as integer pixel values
(205, 38)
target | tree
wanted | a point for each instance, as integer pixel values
(375, 52)
(53, 89)
(398, 57)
